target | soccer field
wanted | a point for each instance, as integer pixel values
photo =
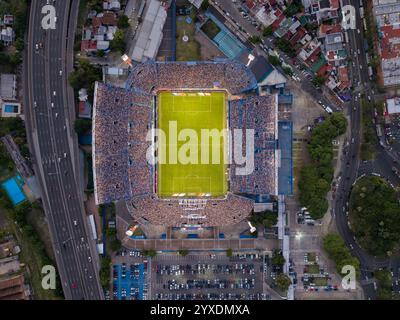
(195, 111)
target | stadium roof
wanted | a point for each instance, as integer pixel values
(150, 33)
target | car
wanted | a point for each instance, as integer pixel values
(54, 93)
(52, 104)
(75, 223)
(90, 259)
(358, 31)
(61, 72)
(37, 46)
(34, 104)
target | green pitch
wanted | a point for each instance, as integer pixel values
(175, 173)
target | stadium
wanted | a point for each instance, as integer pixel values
(134, 161)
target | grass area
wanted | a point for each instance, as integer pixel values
(313, 268)
(189, 173)
(190, 50)
(33, 254)
(37, 220)
(320, 282)
(311, 257)
(210, 29)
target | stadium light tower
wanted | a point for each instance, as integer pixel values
(251, 58)
(127, 60)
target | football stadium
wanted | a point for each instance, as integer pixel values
(153, 147)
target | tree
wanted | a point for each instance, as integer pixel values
(118, 43)
(288, 71)
(278, 259)
(316, 178)
(100, 53)
(337, 251)
(123, 22)
(150, 253)
(19, 44)
(319, 80)
(229, 253)
(82, 126)
(375, 215)
(267, 31)
(254, 39)
(204, 5)
(183, 252)
(283, 282)
(274, 60)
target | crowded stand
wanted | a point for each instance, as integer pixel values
(257, 113)
(230, 75)
(228, 211)
(121, 119)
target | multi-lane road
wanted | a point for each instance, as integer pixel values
(49, 112)
(351, 160)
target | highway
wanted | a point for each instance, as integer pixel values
(49, 119)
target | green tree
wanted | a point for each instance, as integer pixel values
(123, 22)
(100, 53)
(82, 126)
(19, 44)
(337, 251)
(283, 282)
(254, 39)
(229, 253)
(118, 43)
(150, 253)
(267, 31)
(278, 259)
(319, 80)
(274, 60)
(204, 5)
(375, 215)
(183, 252)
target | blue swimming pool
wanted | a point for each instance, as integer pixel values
(14, 191)
(10, 108)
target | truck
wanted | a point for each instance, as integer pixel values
(361, 12)
(346, 35)
(370, 72)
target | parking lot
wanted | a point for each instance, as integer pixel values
(208, 277)
(129, 277)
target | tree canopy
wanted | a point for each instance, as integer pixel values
(375, 215)
(316, 178)
(283, 282)
(266, 218)
(339, 253)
